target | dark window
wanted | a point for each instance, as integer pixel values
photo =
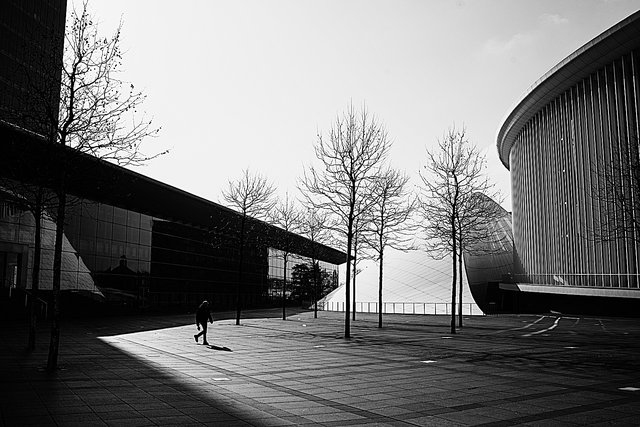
(117, 250)
(88, 226)
(106, 213)
(133, 235)
(133, 219)
(119, 232)
(104, 230)
(103, 263)
(132, 252)
(119, 216)
(87, 246)
(145, 237)
(103, 247)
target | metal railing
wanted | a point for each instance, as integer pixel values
(597, 280)
(470, 309)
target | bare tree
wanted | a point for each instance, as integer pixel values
(350, 158)
(389, 225)
(616, 193)
(314, 228)
(453, 174)
(287, 216)
(98, 116)
(252, 195)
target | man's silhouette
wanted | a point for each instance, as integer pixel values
(202, 315)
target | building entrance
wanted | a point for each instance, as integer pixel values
(10, 269)
(12, 266)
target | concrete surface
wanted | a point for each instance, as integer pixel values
(497, 371)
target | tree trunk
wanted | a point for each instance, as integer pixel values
(54, 344)
(284, 288)
(355, 272)
(315, 287)
(35, 275)
(454, 282)
(380, 293)
(239, 285)
(460, 290)
(355, 256)
(347, 297)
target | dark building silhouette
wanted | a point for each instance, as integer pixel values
(134, 240)
(31, 45)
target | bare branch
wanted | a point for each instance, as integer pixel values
(351, 158)
(616, 193)
(251, 195)
(453, 203)
(98, 111)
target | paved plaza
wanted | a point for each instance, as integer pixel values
(498, 370)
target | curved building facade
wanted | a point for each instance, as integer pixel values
(491, 262)
(572, 146)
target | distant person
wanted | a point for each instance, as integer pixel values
(203, 313)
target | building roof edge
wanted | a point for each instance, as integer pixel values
(593, 55)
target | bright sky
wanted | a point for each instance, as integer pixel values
(248, 83)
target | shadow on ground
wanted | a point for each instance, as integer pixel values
(97, 384)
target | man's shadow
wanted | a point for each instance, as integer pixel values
(215, 347)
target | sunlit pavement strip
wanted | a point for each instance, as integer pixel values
(149, 371)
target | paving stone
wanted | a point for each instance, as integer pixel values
(282, 373)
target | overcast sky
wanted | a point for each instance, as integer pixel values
(248, 84)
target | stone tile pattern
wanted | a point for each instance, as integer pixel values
(496, 371)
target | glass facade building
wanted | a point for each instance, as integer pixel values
(300, 284)
(572, 146)
(17, 237)
(31, 45)
(132, 241)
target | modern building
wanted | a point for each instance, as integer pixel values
(491, 263)
(572, 146)
(129, 240)
(31, 45)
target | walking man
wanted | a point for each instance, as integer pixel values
(202, 315)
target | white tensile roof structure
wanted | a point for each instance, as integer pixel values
(412, 281)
